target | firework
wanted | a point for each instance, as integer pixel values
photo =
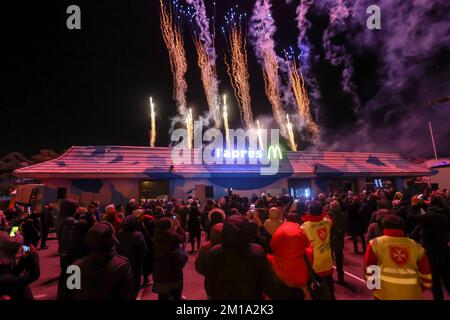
(302, 101)
(173, 38)
(190, 128)
(225, 122)
(260, 139)
(204, 45)
(152, 123)
(237, 67)
(262, 30)
(337, 53)
(292, 143)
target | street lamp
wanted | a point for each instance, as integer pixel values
(435, 102)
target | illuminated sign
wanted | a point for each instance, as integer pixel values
(274, 152)
(236, 154)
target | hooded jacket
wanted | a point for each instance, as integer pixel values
(237, 269)
(132, 245)
(166, 241)
(201, 262)
(289, 245)
(104, 275)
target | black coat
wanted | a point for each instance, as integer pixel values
(355, 223)
(366, 211)
(165, 268)
(132, 246)
(238, 269)
(103, 277)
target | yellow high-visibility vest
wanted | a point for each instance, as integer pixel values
(397, 259)
(318, 234)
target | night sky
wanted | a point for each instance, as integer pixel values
(91, 86)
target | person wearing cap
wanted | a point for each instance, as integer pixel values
(104, 274)
(404, 268)
(317, 227)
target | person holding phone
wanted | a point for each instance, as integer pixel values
(15, 278)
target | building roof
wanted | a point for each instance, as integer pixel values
(439, 163)
(145, 162)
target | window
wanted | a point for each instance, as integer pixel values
(152, 189)
(61, 193)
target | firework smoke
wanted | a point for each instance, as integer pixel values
(292, 143)
(304, 45)
(225, 122)
(237, 67)
(173, 37)
(204, 44)
(262, 30)
(152, 123)
(337, 53)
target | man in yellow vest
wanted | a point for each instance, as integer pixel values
(404, 269)
(317, 227)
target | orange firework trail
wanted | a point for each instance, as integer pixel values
(152, 123)
(292, 143)
(190, 128)
(237, 67)
(209, 79)
(272, 88)
(204, 44)
(225, 122)
(301, 97)
(173, 37)
(262, 31)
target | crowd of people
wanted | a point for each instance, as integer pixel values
(261, 248)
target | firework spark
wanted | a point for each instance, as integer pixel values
(260, 139)
(204, 45)
(190, 128)
(302, 101)
(152, 123)
(225, 122)
(292, 143)
(237, 66)
(262, 30)
(173, 37)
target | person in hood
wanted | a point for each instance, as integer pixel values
(201, 262)
(132, 246)
(290, 249)
(237, 269)
(376, 228)
(104, 274)
(112, 217)
(274, 221)
(168, 260)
